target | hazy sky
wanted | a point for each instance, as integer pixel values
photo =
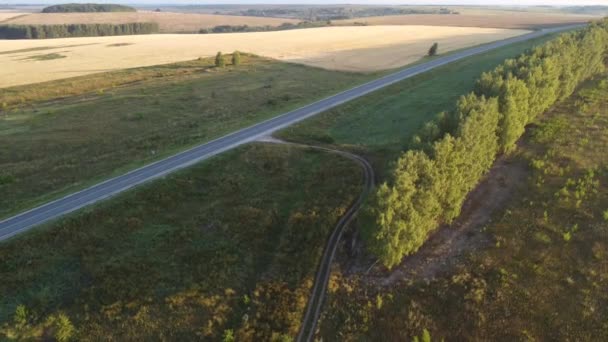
(372, 2)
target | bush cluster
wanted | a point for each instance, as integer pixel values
(74, 30)
(429, 183)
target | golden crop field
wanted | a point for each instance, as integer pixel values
(168, 22)
(351, 48)
(5, 16)
(495, 19)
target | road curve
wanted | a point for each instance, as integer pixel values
(44, 213)
(317, 295)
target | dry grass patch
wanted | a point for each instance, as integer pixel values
(341, 48)
(496, 19)
(168, 22)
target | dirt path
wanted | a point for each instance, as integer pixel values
(317, 296)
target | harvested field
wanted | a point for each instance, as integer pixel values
(496, 19)
(360, 49)
(5, 16)
(168, 22)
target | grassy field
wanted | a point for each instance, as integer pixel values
(230, 244)
(336, 48)
(541, 271)
(167, 22)
(484, 18)
(64, 144)
(383, 123)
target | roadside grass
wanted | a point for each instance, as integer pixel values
(383, 123)
(229, 244)
(65, 144)
(542, 274)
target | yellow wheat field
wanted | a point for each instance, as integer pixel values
(496, 19)
(167, 21)
(362, 49)
(6, 16)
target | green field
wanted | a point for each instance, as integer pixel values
(540, 271)
(59, 145)
(384, 122)
(230, 244)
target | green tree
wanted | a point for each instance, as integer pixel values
(514, 108)
(434, 49)
(429, 183)
(236, 58)
(219, 60)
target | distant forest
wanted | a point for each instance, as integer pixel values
(247, 28)
(591, 10)
(85, 8)
(74, 30)
(336, 13)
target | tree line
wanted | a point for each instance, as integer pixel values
(247, 28)
(70, 8)
(429, 183)
(74, 30)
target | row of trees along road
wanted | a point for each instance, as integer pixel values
(74, 30)
(428, 183)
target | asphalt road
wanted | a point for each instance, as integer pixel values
(44, 213)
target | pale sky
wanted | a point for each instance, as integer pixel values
(369, 2)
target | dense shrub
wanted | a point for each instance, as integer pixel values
(220, 62)
(428, 185)
(433, 50)
(74, 30)
(236, 58)
(69, 8)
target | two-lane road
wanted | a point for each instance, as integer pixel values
(24, 221)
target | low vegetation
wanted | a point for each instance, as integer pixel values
(541, 271)
(80, 8)
(225, 248)
(46, 57)
(74, 30)
(428, 184)
(118, 121)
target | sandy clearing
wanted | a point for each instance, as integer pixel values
(343, 48)
(168, 21)
(512, 20)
